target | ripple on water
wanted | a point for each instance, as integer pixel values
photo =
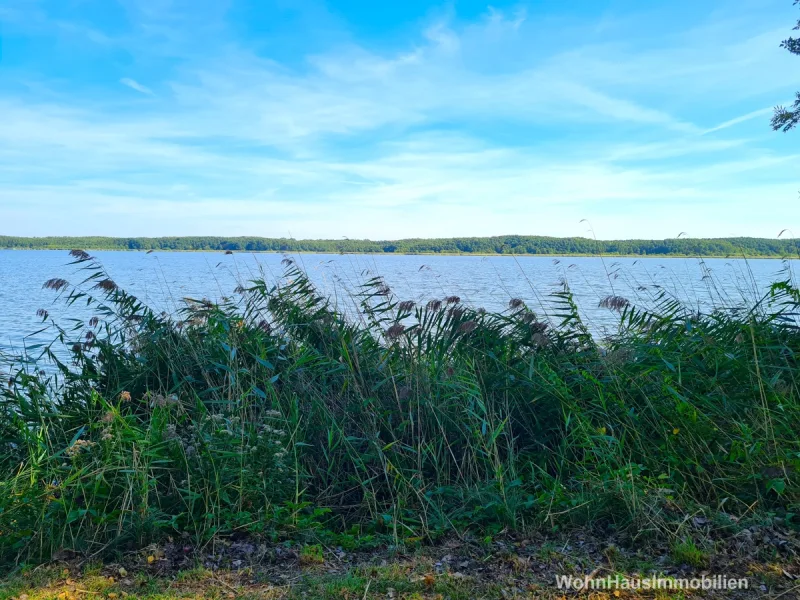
(163, 279)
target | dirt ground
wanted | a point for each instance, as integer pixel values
(768, 559)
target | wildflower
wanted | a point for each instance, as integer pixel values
(108, 417)
(170, 432)
(76, 447)
(676, 431)
(125, 396)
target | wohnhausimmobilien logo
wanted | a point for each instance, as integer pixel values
(654, 582)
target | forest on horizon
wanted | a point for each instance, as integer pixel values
(509, 244)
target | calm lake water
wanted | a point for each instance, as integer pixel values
(163, 279)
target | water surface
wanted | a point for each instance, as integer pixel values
(163, 279)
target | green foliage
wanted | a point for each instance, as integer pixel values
(509, 244)
(277, 415)
(784, 118)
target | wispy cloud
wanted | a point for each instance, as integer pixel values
(756, 114)
(135, 85)
(509, 122)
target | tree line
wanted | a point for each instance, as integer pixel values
(509, 244)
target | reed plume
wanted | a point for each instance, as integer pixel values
(616, 303)
(56, 284)
(79, 254)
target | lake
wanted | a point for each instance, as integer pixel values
(163, 279)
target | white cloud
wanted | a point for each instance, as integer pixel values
(135, 85)
(749, 116)
(438, 137)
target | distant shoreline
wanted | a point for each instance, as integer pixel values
(507, 245)
(453, 254)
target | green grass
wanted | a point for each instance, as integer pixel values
(687, 552)
(275, 416)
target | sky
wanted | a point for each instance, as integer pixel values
(383, 120)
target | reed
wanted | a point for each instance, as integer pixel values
(277, 415)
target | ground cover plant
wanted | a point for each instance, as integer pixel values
(278, 416)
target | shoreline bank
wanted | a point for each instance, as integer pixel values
(457, 254)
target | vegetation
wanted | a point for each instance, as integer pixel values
(510, 244)
(274, 416)
(454, 573)
(785, 119)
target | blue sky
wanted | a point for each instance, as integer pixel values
(396, 119)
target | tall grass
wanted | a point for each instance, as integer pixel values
(275, 414)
